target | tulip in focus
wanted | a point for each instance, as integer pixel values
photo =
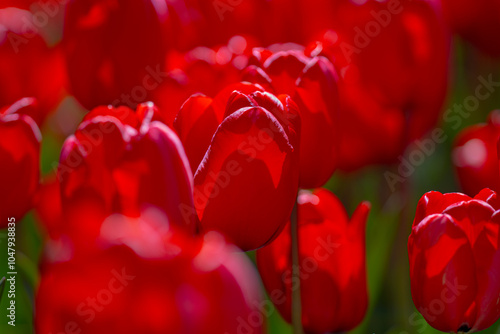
(243, 147)
(20, 160)
(333, 287)
(455, 260)
(312, 84)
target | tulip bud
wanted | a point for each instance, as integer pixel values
(332, 265)
(454, 261)
(245, 144)
(312, 84)
(118, 161)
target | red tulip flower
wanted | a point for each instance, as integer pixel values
(20, 156)
(393, 60)
(114, 50)
(475, 156)
(476, 21)
(149, 278)
(118, 161)
(312, 84)
(455, 260)
(244, 143)
(29, 67)
(333, 288)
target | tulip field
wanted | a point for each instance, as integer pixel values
(249, 166)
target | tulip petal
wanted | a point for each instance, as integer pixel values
(317, 98)
(19, 169)
(487, 255)
(284, 68)
(442, 271)
(249, 145)
(195, 124)
(490, 197)
(436, 202)
(471, 217)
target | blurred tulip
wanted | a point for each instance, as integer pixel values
(28, 65)
(150, 278)
(192, 23)
(245, 144)
(477, 21)
(475, 156)
(332, 265)
(114, 50)
(455, 262)
(119, 160)
(393, 60)
(312, 84)
(20, 156)
(201, 70)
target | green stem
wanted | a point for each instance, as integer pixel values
(296, 304)
(2, 286)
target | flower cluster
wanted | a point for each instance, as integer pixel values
(189, 132)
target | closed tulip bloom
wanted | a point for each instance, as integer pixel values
(119, 160)
(455, 262)
(150, 278)
(28, 65)
(475, 156)
(244, 143)
(114, 50)
(312, 84)
(332, 264)
(20, 156)
(393, 59)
